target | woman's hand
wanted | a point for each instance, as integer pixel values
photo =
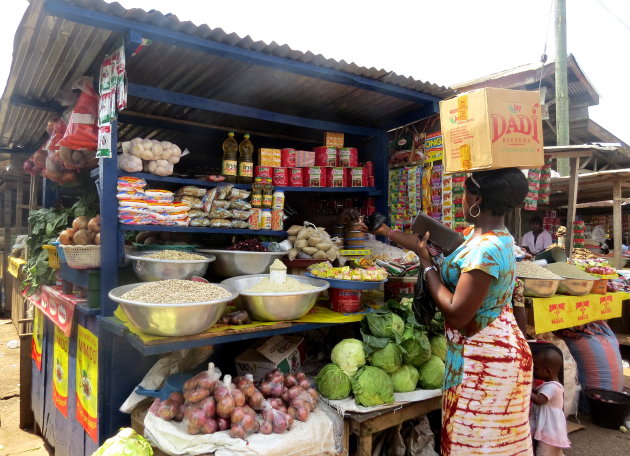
(349, 215)
(423, 252)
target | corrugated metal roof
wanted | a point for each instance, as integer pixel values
(51, 52)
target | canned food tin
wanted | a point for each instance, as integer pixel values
(280, 177)
(296, 177)
(263, 171)
(288, 158)
(325, 156)
(345, 301)
(348, 157)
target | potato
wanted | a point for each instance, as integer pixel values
(325, 246)
(300, 244)
(310, 250)
(292, 254)
(319, 255)
(294, 230)
(292, 239)
(314, 240)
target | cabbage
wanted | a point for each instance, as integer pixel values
(126, 442)
(333, 383)
(385, 324)
(349, 355)
(372, 386)
(416, 346)
(388, 358)
(405, 379)
(438, 346)
(431, 373)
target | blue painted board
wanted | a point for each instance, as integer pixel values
(48, 421)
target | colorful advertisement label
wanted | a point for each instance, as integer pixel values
(87, 381)
(38, 337)
(60, 371)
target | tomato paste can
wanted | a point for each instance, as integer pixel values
(277, 220)
(348, 157)
(399, 287)
(254, 219)
(325, 156)
(314, 176)
(336, 177)
(264, 172)
(356, 177)
(280, 177)
(345, 301)
(369, 168)
(288, 158)
(296, 177)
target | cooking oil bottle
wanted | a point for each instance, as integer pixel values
(246, 161)
(229, 167)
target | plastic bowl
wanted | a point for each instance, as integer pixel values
(153, 269)
(275, 306)
(540, 288)
(172, 319)
(575, 287)
(232, 263)
(608, 408)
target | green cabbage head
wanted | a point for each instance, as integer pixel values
(416, 346)
(388, 358)
(333, 383)
(431, 373)
(405, 379)
(372, 386)
(385, 324)
(349, 355)
(438, 346)
(126, 442)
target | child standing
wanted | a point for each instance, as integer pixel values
(549, 426)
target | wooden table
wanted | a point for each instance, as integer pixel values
(365, 425)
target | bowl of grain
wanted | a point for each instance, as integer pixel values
(538, 281)
(169, 264)
(266, 301)
(575, 282)
(173, 307)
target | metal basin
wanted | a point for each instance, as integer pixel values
(172, 319)
(575, 287)
(232, 263)
(275, 306)
(540, 288)
(153, 269)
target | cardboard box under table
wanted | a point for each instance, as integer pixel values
(283, 352)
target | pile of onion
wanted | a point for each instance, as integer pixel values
(84, 231)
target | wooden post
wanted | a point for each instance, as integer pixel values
(573, 184)
(617, 228)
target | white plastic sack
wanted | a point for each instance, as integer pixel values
(173, 363)
(312, 438)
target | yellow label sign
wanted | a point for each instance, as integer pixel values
(38, 337)
(87, 381)
(462, 107)
(559, 312)
(60, 371)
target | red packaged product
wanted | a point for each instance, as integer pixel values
(345, 301)
(280, 177)
(314, 176)
(263, 171)
(356, 177)
(325, 156)
(336, 177)
(349, 157)
(82, 131)
(288, 158)
(296, 177)
(369, 168)
(305, 158)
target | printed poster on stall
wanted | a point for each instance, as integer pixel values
(60, 369)
(87, 381)
(38, 337)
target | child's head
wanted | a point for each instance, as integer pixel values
(547, 364)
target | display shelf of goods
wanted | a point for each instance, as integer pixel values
(209, 184)
(158, 346)
(199, 229)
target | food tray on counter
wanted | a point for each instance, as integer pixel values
(349, 284)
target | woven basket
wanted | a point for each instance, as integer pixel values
(83, 256)
(53, 258)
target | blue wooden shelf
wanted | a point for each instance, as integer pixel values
(85, 310)
(200, 229)
(78, 277)
(170, 344)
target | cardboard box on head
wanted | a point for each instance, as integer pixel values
(492, 128)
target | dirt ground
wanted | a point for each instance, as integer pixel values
(593, 440)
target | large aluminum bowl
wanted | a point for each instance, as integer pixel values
(153, 269)
(575, 287)
(275, 306)
(540, 288)
(232, 263)
(172, 319)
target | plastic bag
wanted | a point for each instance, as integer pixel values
(240, 205)
(224, 192)
(228, 397)
(240, 224)
(219, 213)
(191, 190)
(82, 131)
(220, 223)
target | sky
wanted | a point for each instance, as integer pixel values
(443, 42)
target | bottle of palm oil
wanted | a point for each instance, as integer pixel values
(229, 167)
(246, 161)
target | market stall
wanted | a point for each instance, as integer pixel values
(89, 353)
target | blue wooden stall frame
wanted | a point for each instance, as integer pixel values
(123, 358)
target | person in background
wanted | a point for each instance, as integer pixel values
(537, 240)
(488, 380)
(549, 426)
